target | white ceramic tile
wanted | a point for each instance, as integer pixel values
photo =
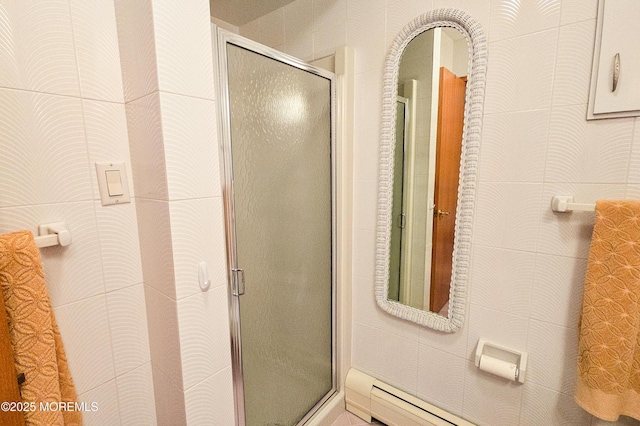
(365, 194)
(358, 10)
(498, 327)
(398, 361)
(366, 37)
(105, 399)
(558, 288)
(146, 142)
(164, 336)
(37, 48)
(211, 402)
(583, 151)
(137, 48)
(569, 234)
(268, 29)
(441, 377)
(542, 406)
(329, 26)
(197, 228)
(107, 138)
(364, 355)
(74, 272)
(96, 40)
(506, 215)
(128, 325)
(400, 13)
(632, 192)
(367, 118)
(204, 335)
(553, 356)
(365, 308)
(511, 18)
(45, 153)
(190, 146)
(634, 162)
(477, 9)
(183, 47)
(578, 10)
(84, 327)
(398, 327)
(156, 252)
(514, 146)
(364, 253)
(521, 73)
(119, 245)
(503, 279)
(170, 406)
(490, 400)
(298, 29)
(453, 343)
(573, 64)
(135, 396)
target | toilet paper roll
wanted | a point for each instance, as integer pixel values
(498, 367)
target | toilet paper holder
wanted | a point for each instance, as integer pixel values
(501, 361)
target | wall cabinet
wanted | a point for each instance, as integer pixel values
(615, 77)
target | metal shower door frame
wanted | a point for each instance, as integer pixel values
(225, 37)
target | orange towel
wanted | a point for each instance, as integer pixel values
(37, 344)
(609, 348)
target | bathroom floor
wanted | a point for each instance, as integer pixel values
(348, 419)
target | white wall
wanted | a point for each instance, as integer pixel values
(166, 50)
(62, 109)
(528, 263)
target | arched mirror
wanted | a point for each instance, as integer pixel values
(432, 109)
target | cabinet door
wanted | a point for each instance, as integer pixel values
(619, 36)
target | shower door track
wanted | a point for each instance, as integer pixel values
(223, 38)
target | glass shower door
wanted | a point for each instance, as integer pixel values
(280, 148)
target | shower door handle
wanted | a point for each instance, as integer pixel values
(238, 277)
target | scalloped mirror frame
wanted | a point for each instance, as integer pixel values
(474, 99)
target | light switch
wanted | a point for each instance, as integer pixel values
(113, 183)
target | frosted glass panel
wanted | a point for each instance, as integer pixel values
(281, 149)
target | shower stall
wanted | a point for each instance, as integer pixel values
(279, 191)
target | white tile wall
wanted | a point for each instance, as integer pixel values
(106, 398)
(204, 330)
(329, 26)
(298, 22)
(164, 335)
(197, 234)
(39, 130)
(510, 19)
(49, 145)
(128, 324)
(38, 48)
(137, 44)
(211, 401)
(444, 384)
(183, 47)
(96, 41)
(136, 395)
(84, 327)
(573, 64)
(528, 263)
(520, 75)
(190, 146)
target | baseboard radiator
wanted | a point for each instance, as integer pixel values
(368, 398)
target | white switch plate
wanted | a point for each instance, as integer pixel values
(113, 168)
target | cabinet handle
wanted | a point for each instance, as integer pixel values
(616, 71)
